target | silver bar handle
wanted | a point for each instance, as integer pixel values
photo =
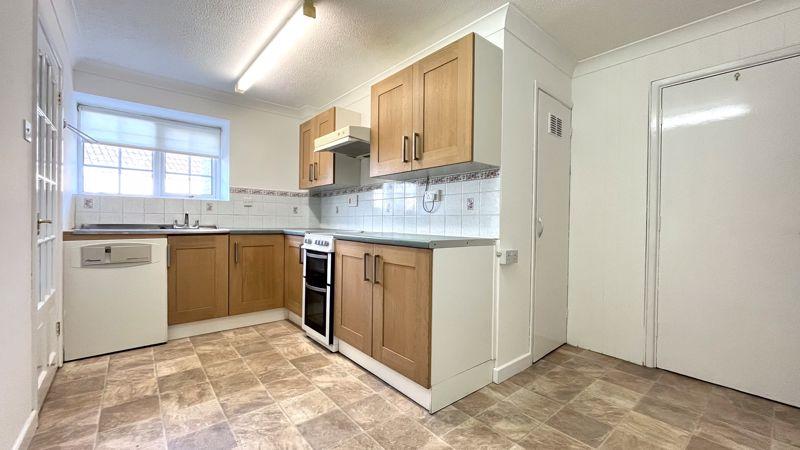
(416, 147)
(300, 255)
(366, 257)
(375, 269)
(310, 174)
(169, 256)
(236, 253)
(316, 174)
(405, 148)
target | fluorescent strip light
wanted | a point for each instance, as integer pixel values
(281, 42)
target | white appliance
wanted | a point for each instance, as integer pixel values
(115, 295)
(318, 289)
(352, 141)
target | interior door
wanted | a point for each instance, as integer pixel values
(324, 123)
(306, 155)
(443, 106)
(551, 227)
(255, 272)
(46, 244)
(401, 311)
(353, 294)
(729, 244)
(391, 127)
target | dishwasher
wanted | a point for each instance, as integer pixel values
(115, 295)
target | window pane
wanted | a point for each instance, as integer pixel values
(133, 158)
(100, 180)
(201, 185)
(201, 166)
(176, 184)
(136, 182)
(100, 155)
(177, 163)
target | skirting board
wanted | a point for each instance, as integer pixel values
(512, 368)
(26, 433)
(225, 323)
(433, 399)
(294, 318)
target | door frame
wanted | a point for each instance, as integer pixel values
(537, 88)
(653, 216)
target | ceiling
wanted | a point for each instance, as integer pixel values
(210, 42)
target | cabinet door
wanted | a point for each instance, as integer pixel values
(197, 278)
(401, 311)
(324, 123)
(391, 127)
(306, 154)
(256, 273)
(353, 294)
(443, 106)
(293, 275)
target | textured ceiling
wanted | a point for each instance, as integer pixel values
(210, 42)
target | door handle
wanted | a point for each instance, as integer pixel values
(316, 174)
(300, 255)
(310, 175)
(375, 269)
(366, 257)
(236, 253)
(405, 148)
(539, 227)
(416, 147)
(169, 257)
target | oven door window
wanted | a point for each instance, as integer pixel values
(316, 303)
(317, 269)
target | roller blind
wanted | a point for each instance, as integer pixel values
(146, 132)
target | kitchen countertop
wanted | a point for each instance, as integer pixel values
(400, 239)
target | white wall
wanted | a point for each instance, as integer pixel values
(609, 163)
(16, 71)
(263, 143)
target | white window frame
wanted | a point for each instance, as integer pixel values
(220, 169)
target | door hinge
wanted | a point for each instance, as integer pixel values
(60, 98)
(58, 329)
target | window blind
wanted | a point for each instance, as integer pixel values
(146, 132)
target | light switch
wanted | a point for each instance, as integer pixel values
(508, 256)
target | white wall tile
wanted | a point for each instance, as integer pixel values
(110, 204)
(452, 204)
(437, 225)
(193, 206)
(452, 225)
(470, 226)
(132, 217)
(173, 205)
(83, 217)
(154, 205)
(154, 218)
(490, 202)
(110, 217)
(133, 205)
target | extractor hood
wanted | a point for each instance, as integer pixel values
(352, 141)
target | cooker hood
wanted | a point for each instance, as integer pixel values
(352, 141)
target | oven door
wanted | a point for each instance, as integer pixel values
(317, 268)
(317, 313)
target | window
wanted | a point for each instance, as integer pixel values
(136, 154)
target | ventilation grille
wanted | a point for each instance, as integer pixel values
(554, 125)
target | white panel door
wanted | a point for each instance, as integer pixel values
(46, 258)
(729, 254)
(551, 225)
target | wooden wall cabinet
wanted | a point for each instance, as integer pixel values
(197, 278)
(383, 305)
(442, 114)
(325, 169)
(256, 273)
(293, 274)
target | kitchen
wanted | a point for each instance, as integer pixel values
(474, 236)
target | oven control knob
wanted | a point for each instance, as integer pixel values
(326, 244)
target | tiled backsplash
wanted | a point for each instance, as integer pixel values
(248, 208)
(470, 206)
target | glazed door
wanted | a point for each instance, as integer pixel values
(443, 106)
(353, 294)
(324, 123)
(293, 274)
(197, 278)
(256, 273)
(391, 128)
(306, 155)
(401, 311)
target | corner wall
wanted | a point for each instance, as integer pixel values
(16, 71)
(609, 163)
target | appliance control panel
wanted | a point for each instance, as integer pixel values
(319, 242)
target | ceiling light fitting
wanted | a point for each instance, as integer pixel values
(286, 36)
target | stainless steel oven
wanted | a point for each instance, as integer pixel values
(318, 289)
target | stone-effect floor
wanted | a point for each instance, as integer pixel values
(268, 386)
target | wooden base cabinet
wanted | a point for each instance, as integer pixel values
(256, 273)
(441, 114)
(197, 278)
(293, 275)
(382, 305)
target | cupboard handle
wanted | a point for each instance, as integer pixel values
(366, 256)
(405, 148)
(169, 257)
(236, 253)
(316, 174)
(415, 146)
(375, 269)
(300, 255)
(310, 175)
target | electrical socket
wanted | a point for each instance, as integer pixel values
(433, 196)
(352, 200)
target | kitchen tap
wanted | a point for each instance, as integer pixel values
(185, 223)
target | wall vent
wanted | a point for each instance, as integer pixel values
(554, 125)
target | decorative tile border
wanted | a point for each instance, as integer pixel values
(258, 191)
(441, 179)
